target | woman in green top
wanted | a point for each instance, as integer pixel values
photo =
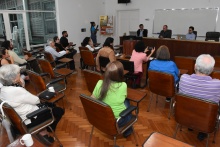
(113, 91)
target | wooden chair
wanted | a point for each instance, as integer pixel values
(187, 63)
(91, 78)
(56, 72)
(103, 61)
(217, 61)
(82, 48)
(162, 84)
(88, 59)
(129, 66)
(215, 75)
(19, 124)
(100, 115)
(48, 56)
(197, 114)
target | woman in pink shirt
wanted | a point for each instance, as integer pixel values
(139, 56)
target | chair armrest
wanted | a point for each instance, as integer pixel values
(38, 112)
(127, 111)
(62, 65)
(44, 74)
(55, 81)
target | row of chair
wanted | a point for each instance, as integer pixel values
(50, 76)
(194, 113)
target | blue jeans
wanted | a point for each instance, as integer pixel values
(126, 119)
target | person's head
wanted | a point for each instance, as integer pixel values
(163, 53)
(191, 29)
(140, 46)
(56, 39)
(165, 27)
(50, 42)
(7, 44)
(92, 23)
(109, 42)
(86, 41)
(65, 34)
(204, 64)
(141, 26)
(9, 74)
(4, 52)
(114, 73)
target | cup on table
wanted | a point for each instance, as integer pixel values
(27, 140)
(51, 89)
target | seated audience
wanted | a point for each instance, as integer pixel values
(87, 42)
(106, 51)
(61, 48)
(65, 43)
(165, 33)
(23, 101)
(139, 56)
(113, 91)
(51, 48)
(17, 60)
(141, 32)
(6, 59)
(163, 63)
(200, 84)
(191, 35)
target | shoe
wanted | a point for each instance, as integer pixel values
(168, 99)
(128, 132)
(201, 136)
(49, 138)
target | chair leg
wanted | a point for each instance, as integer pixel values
(177, 127)
(151, 98)
(207, 141)
(135, 137)
(214, 136)
(55, 136)
(90, 138)
(115, 141)
(171, 108)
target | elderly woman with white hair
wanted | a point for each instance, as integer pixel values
(51, 48)
(23, 101)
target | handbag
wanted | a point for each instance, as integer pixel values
(47, 95)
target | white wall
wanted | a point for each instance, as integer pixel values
(147, 8)
(72, 15)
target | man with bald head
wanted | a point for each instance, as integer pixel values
(200, 84)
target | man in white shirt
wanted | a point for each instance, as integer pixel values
(51, 48)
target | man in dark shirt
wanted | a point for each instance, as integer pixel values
(142, 32)
(165, 33)
(65, 43)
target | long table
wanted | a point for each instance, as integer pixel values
(183, 47)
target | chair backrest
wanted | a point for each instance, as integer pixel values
(215, 75)
(14, 118)
(103, 61)
(187, 63)
(217, 61)
(161, 83)
(195, 32)
(37, 81)
(91, 78)
(48, 56)
(196, 113)
(128, 46)
(212, 36)
(128, 65)
(82, 48)
(99, 114)
(46, 67)
(88, 58)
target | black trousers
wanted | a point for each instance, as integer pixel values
(57, 112)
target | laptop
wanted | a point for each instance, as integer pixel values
(132, 33)
(181, 37)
